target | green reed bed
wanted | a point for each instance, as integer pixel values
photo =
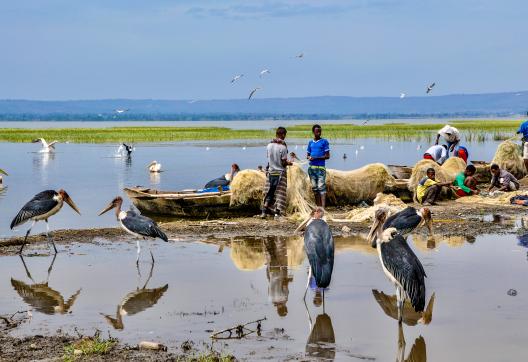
(473, 131)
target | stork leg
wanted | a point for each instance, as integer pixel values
(399, 304)
(51, 266)
(26, 268)
(152, 257)
(25, 239)
(401, 344)
(138, 251)
(49, 239)
(307, 282)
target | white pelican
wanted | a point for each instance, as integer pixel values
(264, 72)
(430, 88)
(46, 147)
(253, 92)
(236, 77)
(41, 207)
(121, 110)
(154, 166)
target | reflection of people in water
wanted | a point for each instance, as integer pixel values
(40, 296)
(135, 302)
(224, 180)
(277, 273)
(321, 342)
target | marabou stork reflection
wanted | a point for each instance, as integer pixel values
(409, 316)
(321, 341)
(40, 296)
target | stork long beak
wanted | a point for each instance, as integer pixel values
(373, 231)
(108, 208)
(70, 202)
(3, 172)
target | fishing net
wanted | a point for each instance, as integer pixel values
(247, 188)
(362, 184)
(248, 254)
(366, 214)
(420, 171)
(497, 198)
(453, 166)
(508, 157)
(300, 200)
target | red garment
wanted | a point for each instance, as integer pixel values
(428, 157)
(462, 154)
(462, 193)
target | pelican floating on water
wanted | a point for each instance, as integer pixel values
(135, 224)
(46, 147)
(403, 268)
(41, 207)
(154, 166)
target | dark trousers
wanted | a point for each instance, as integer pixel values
(431, 194)
(273, 183)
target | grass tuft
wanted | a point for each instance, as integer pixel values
(88, 346)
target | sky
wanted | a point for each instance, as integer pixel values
(190, 49)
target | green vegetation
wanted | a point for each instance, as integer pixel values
(478, 130)
(86, 347)
(211, 356)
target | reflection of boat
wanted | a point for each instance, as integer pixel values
(186, 203)
(321, 342)
(410, 316)
(40, 296)
(135, 302)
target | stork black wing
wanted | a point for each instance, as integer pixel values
(143, 226)
(319, 245)
(404, 221)
(40, 204)
(406, 268)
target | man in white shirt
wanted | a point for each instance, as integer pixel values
(451, 136)
(436, 153)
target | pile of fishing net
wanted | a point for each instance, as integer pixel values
(366, 214)
(248, 254)
(445, 173)
(494, 198)
(508, 156)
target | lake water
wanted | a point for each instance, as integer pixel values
(196, 288)
(93, 175)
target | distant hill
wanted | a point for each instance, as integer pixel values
(492, 104)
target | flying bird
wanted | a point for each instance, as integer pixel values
(264, 72)
(135, 224)
(41, 207)
(430, 88)
(402, 95)
(154, 166)
(121, 110)
(319, 246)
(236, 77)
(253, 92)
(366, 121)
(403, 268)
(46, 147)
(300, 55)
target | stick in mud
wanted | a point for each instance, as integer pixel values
(240, 330)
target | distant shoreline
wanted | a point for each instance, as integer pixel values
(473, 130)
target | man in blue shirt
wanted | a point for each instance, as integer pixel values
(523, 129)
(318, 152)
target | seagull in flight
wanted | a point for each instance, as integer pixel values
(364, 123)
(402, 95)
(430, 88)
(236, 77)
(264, 72)
(253, 92)
(121, 110)
(300, 55)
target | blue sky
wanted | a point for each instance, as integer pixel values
(161, 49)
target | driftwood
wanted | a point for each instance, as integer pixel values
(240, 331)
(11, 322)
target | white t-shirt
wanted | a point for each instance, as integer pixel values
(438, 152)
(450, 133)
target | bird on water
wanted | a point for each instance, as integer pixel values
(41, 207)
(46, 147)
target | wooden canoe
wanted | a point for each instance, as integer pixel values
(186, 203)
(400, 172)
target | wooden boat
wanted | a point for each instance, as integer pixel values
(186, 203)
(400, 172)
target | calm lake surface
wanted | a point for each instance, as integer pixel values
(93, 175)
(196, 288)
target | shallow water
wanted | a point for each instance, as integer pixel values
(201, 288)
(93, 175)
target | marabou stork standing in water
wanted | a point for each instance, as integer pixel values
(403, 268)
(41, 207)
(46, 147)
(128, 149)
(404, 222)
(319, 245)
(135, 224)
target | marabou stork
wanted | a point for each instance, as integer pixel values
(319, 246)
(41, 207)
(128, 148)
(404, 221)
(154, 166)
(403, 268)
(46, 147)
(135, 224)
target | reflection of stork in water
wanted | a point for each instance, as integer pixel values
(410, 316)
(46, 147)
(403, 268)
(321, 342)
(319, 246)
(418, 351)
(41, 207)
(135, 224)
(40, 296)
(135, 302)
